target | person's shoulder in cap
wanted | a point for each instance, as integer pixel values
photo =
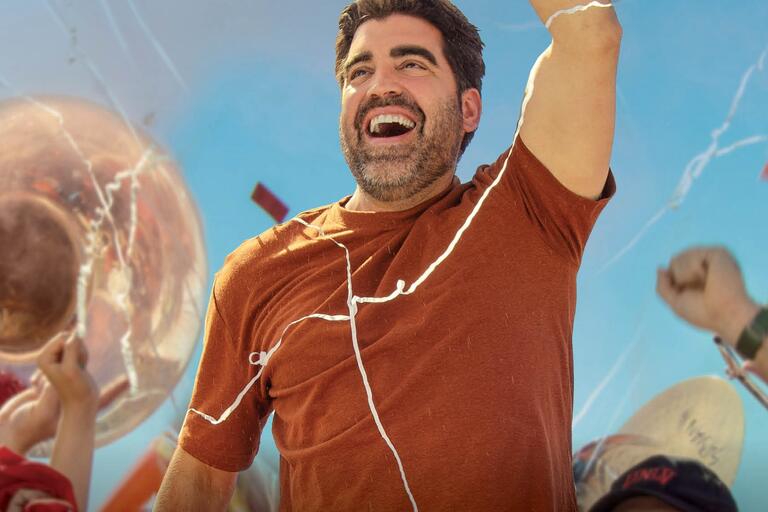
(673, 484)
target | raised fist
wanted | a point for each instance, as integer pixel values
(63, 362)
(704, 286)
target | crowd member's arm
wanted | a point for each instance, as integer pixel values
(63, 363)
(570, 103)
(705, 287)
(194, 486)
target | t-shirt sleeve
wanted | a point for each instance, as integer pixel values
(223, 375)
(561, 217)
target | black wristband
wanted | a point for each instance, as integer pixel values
(753, 335)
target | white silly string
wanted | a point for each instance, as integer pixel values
(574, 10)
(352, 304)
(263, 359)
(595, 394)
(114, 27)
(123, 280)
(157, 46)
(103, 212)
(353, 301)
(696, 166)
(99, 81)
(612, 422)
(105, 196)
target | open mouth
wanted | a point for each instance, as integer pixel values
(387, 126)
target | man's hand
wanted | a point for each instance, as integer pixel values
(704, 286)
(63, 362)
(30, 417)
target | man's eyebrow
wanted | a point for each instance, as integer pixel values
(402, 51)
(357, 59)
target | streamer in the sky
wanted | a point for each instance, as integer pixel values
(696, 166)
(271, 204)
(157, 46)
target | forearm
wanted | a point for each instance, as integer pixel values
(569, 109)
(193, 486)
(73, 449)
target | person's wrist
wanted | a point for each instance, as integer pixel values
(80, 408)
(736, 319)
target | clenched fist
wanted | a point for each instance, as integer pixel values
(704, 286)
(63, 362)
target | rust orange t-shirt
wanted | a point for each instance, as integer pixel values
(471, 374)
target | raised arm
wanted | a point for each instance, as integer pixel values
(191, 485)
(570, 103)
(705, 287)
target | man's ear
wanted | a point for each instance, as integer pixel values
(471, 109)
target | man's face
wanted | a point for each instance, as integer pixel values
(401, 120)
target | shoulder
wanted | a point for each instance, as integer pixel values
(525, 174)
(254, 257)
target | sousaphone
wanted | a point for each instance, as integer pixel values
(99, 238)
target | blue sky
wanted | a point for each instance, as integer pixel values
(252, 97)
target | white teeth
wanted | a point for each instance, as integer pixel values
(377, 121)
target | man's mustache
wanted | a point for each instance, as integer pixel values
(390, 101)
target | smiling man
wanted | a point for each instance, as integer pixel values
(394, 73)
(414, 339)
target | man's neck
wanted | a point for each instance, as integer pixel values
(362, 202)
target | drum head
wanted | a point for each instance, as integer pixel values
(700, 418)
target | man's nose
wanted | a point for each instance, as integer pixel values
(385, 83)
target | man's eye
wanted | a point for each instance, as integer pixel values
(412, 65)
(357, 73)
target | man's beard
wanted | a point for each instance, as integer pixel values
(399, 172)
